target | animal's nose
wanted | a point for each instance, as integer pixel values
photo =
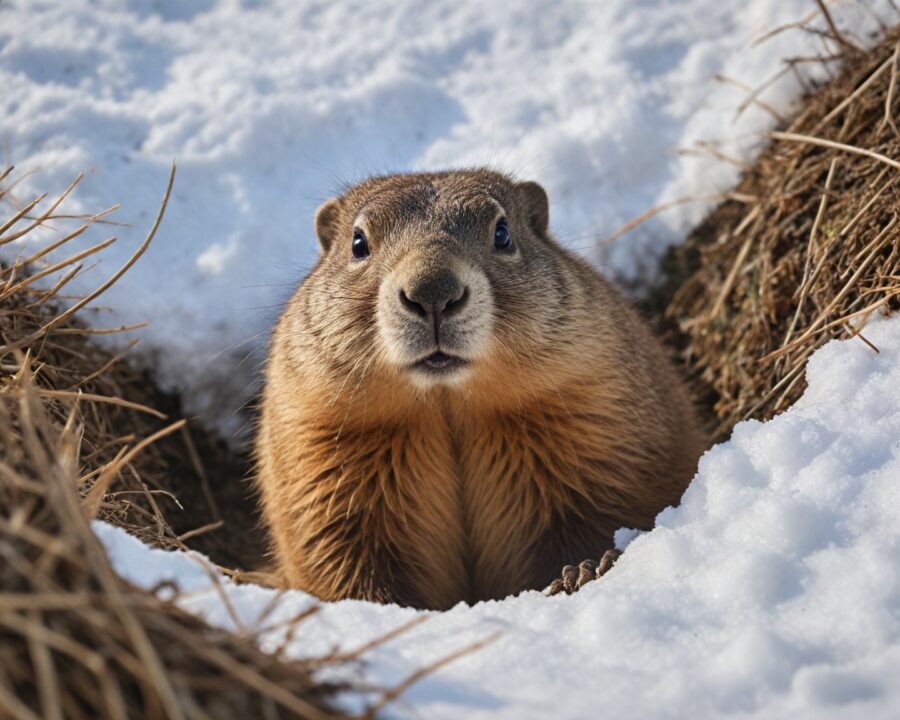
(434, 294)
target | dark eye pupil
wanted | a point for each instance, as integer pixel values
(502, 239)
(360, 246)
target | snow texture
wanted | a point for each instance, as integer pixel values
(270, 107)
(772, 592)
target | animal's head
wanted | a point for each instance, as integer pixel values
(434, 276)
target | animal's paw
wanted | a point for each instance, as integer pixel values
(572, 577)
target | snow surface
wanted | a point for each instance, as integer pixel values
(772, 592)
(270, 107)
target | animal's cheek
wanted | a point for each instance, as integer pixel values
(522, 327)
(479, 317)
(469, 334)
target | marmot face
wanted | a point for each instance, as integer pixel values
(431, 266)
(435, 305)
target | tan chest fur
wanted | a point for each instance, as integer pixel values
(446, 500)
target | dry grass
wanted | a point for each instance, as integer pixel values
(809, 253)
(189, 476)
(76, 641)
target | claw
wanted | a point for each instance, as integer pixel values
(570, 578)
(586, 573)
(607, 561)
(556, 587)
(574, 578)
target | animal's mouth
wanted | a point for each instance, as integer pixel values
(440, 362)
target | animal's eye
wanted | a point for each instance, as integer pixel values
(360, 245)
(502, 238)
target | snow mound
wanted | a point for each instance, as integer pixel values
(773, 591)
(269, 107)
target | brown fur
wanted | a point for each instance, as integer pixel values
(570, 424)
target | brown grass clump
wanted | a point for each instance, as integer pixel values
(811, 249)
(76, 641)
(187, 476)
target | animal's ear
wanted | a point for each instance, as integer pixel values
(534, 198)
(326, 222)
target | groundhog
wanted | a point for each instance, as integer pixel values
(456, 406)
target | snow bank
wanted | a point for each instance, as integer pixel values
(270, 107)
(773, 591)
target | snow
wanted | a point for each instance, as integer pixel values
(772, 591)
(270, 107)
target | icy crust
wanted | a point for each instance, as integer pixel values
(773, 591)
(270, 107)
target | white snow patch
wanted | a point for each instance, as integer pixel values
(773, 591)
(270, 107)
(216, 258)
